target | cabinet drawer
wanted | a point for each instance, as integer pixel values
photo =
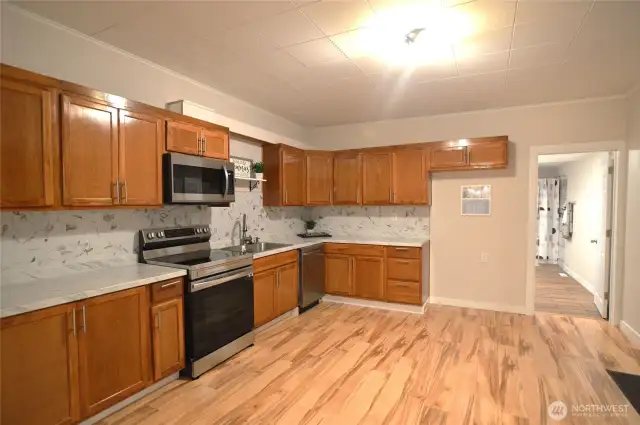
(276, 260)
(403, 252)
(166, 290)
(403, 269)
(403, 292)
(354, 249)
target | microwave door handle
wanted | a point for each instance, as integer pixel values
(226, 180)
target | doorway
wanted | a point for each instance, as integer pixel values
(572, 269)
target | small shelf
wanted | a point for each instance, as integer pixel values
(251, 180)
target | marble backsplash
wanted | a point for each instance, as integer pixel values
(385, 221)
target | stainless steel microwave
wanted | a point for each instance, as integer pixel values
(196, 180)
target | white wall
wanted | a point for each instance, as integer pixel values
(32, 43)
(585, 187)
(631, 291)
(457, 275)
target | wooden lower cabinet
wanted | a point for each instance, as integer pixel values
(39, 368)
(338, 274)
(275, 286)
(168, 338)
(368, 277)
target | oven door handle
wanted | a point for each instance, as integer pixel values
(226, 277)
(226, 180)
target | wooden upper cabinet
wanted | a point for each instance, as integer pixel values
(215, 143)
(292, 176)
(448, 157)
(488, 154)
(27, 138)
(319, 177)
(168, 338)
(113, 346)
(368, 277)
(89, 152)
(376, 178)
(338, 274)
(287, 288)
(347, 179)
(264, 303)
(140, 150)
(409, 177)
(183, 137)
(39, 367)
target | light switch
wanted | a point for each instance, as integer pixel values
(484, 257)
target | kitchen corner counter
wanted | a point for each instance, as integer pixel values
(23, 297)
(298, 243)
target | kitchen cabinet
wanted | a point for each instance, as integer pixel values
(404, 274)
(168, 338)
(347, 178)
(368, 277)
(27, 144)
(89, 152)
(284, 172)
(448, 157)
(275, 286)
(39, 366)
(319, 177)
(482, 153)
(376, 178)
(338, 274)
(113, 348)
(488, 155)
(195, 139)
(409, 177)
(140, 158)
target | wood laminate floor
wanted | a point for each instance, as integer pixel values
(562, 295)
(339, 364)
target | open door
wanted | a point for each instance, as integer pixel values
(601, 293)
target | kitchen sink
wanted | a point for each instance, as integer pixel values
(256, 247)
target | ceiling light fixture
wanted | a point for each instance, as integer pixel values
(412, 35)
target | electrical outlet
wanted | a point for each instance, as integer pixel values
(484, 257)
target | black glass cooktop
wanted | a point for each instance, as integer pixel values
(198, 257)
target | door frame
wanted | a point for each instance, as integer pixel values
(619, 150)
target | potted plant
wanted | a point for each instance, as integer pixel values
(258, 169)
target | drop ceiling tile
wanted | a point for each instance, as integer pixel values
(541, 54)
(289, 28)
(488, 15)
(543, 32)
(619, 21)
(315, 52)
(487, 42)
(480, 64)
(335, 17)
(381, 6)
(277, 63)
(322, 75)
(402, 76)
(353, 43)
(552, 11)
(244, 40)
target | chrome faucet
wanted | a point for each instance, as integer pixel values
(245, 239)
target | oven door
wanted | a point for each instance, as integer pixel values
(191, 179)
(218, 310)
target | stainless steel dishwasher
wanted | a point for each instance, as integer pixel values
(311, 277)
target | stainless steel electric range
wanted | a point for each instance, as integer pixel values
(218, 293)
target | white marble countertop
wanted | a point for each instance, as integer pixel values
(22, 297)
(298, 242)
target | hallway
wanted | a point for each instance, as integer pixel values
(562, 295)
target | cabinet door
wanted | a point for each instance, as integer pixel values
(26, 145)
(368, 277)
(89, 152)
(113, 345)
(448, 157)
(488, 155)
(264, 303)
(319, 178)
(140, 148)
(337, 274)
(168, 338)
(347, 179)
(287, 288)
(376, 178)
(39, 368)
(183, 137)
(292, 176)
(215, 143)
(409, 177)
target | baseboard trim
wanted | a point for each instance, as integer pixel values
(124, 403)
(478, 305)
(632, 334)
(599, 302)
(290, 313)
(406, 308)
(581, 280)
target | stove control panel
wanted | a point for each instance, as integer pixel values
(199, 232)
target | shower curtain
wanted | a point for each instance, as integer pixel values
(548, 220)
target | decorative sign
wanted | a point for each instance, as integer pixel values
(476, 200)
(242, 166)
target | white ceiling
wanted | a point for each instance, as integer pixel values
(297, 58)
(561, 158)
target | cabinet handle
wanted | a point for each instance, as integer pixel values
(166, 285)
(286, 196)
(159, 320)
(84, 319)
(401, 249)
(199, 145)
(403, 261)
(126, 193)
(468, 156)
(204, 145)
(117, 191)
(73, 320)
